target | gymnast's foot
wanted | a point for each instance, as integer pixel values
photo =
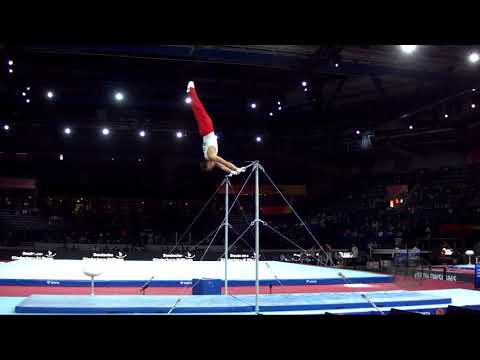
(190, 85)
(241, 170)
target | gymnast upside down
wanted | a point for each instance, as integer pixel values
(210, 144)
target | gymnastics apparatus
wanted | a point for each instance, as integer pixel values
(255, 168)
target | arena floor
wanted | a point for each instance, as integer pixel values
(427, 302)
(40, 286)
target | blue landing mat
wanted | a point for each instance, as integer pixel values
(211, 304)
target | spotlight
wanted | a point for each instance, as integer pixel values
(279, 108)
(113, 159)
(278, 102)
(28, 88)
(49, 94)
(28, 101)
(306, 89)
(6, 127)
(408, 49)
(10, 71)
(139, 160)
(258, 139)
(336, 65)
(357, 132)
(24, 94)
(60, 156)
(119, 96)
(105, 131)
(188, 100)
(473, 57)
(270, 114)
(445, 116)
(10, 62)
(179, 134)
(473, 106)
(304, 83)
(67, 131)
(474, 90)
(253, 105)
(142, 133)
(411, 127)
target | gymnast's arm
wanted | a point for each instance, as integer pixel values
(212, 155)
(223, 167)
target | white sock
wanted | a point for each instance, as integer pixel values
(190, 85)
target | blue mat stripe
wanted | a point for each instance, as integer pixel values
(223, 309)
(183, 283)
(431, 311)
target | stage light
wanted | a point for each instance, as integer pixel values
(357, 132)
(473, 57)
(10, 62)
(6, 127)
(28, 101)
(10, 71)
(188, 100)
(336, 65)
(474, 90)
(139, 160)
(408, 49)
(445, 116)
(253, 105)
(60, 156)
(49, 94)
(304, 83)
(67, 131)
(24, 94)
(278, 102)
(179, 134)
(28, 88)
(113, 159)
(105, 131)
(279, 108)
(258, 139)
(473, 106)
(271, 114)
(142, 133)
(411, 127)
(119, 96)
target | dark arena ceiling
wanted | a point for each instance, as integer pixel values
(401, 98)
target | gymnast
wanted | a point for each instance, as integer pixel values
(210, 144)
